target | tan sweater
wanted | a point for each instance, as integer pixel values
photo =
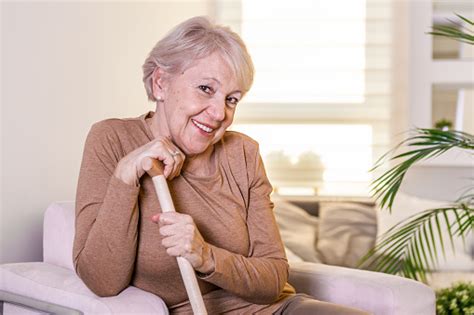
(117, 244)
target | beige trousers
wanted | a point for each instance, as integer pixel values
(305, 305)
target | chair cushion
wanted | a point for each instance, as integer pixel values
(61, 286)
(13, 309)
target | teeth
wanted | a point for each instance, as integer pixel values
(202, 127)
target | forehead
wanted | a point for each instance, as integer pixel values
(213, 67)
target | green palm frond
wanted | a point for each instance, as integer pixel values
(409, 248)
(456, 30)
(424, 144)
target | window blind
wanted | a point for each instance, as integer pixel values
(324, 66)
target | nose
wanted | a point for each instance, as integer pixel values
(216, 110)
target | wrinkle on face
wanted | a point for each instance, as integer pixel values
(186, 101)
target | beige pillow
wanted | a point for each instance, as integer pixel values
(298, 229)
(346, 232)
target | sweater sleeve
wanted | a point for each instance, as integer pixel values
(106, 216)
(261, 276)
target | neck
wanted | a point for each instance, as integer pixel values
(200, 164)
(158, 124)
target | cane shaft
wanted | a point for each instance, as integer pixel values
(187, 271)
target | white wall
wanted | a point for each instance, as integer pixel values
(63, 67)
(446, 177)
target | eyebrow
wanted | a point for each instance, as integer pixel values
(216, 80)
(212, 78)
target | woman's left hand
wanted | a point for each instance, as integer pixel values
(181, 238)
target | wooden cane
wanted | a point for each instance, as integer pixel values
(155, 170)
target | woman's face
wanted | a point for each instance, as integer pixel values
(198, 104)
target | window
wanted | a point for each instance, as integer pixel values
(301, 55)
(328, 159)
(320, 102)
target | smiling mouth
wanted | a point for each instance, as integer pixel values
(202, 127)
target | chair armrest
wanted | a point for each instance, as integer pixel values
(378, 293)
(58, 234)
(45, 286)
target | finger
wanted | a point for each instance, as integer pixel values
(172, 241)
(185, 230)
(175, 217)
(171, 151)
(168, 163)
(177, 161)
(182, 158)
(173, 168)
(165, 160)
(174, 251)
(171, 229)
(166, 218)
(159, 149)
(178, 157)
(184, 250)
(155, 218)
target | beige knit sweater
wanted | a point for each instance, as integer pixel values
(117, 245)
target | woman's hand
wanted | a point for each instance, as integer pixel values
(129, 168)
(182, 238)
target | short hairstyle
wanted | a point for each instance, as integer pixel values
(194, 39)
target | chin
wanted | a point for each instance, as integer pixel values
(193, 151)
(198, 146)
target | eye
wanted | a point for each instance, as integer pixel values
(206, 89)
(232, 101)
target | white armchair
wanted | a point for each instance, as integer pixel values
(52, 286)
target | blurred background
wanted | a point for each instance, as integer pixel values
(338, 82)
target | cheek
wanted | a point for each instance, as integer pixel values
(183, 109)
(229, 117)
(189, 106)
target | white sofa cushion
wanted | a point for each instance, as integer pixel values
(53, 284)
(377, 293)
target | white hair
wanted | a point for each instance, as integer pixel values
(194, 39)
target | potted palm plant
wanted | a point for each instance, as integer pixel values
(410, 247)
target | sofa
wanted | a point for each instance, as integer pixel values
(330, 230)
(52, 286)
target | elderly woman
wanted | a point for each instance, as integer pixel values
(224, 227)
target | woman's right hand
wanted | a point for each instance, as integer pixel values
(129, 169)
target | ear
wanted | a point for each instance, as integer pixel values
(158, 79)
